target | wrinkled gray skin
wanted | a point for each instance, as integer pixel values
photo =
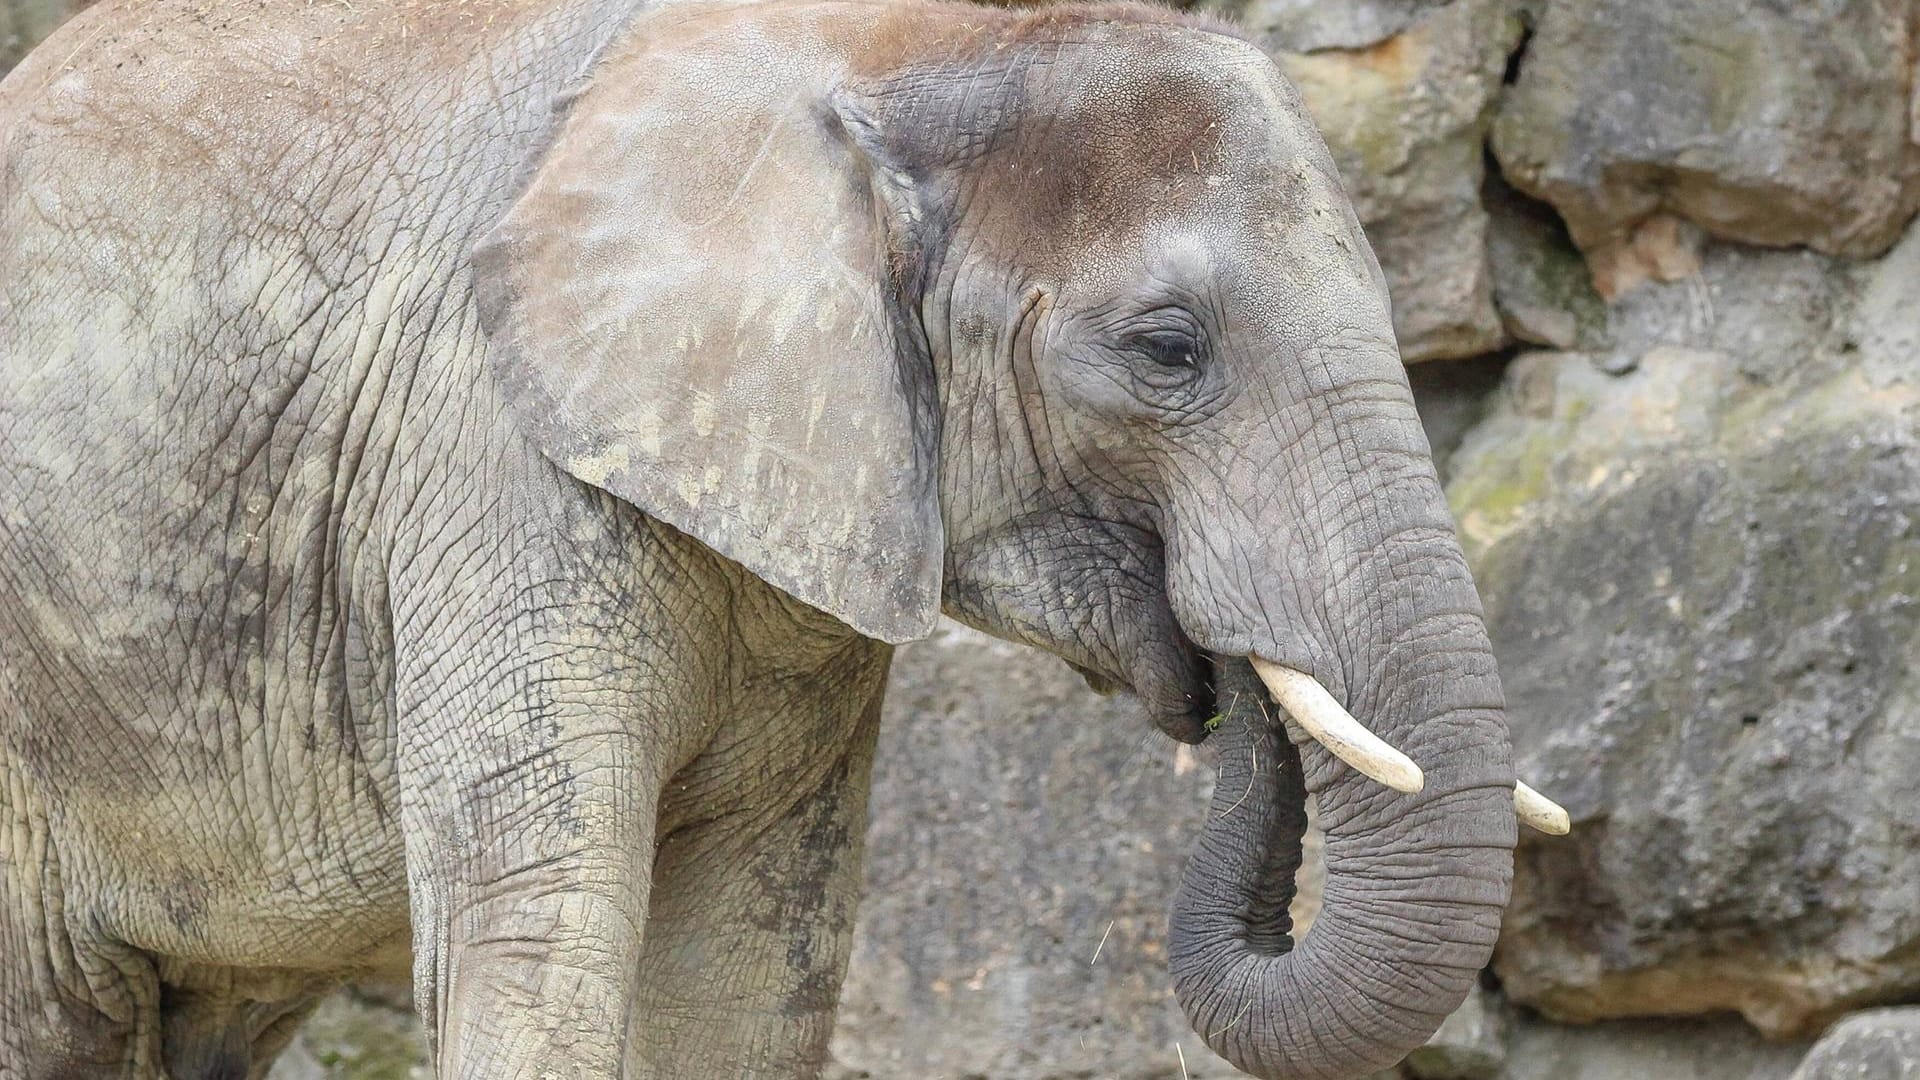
(462, 465)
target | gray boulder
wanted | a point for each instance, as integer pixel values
(1542, 287)
(1452, 399)
(1776, 122)
(1702, 578)
(1882, 1044)
(1771, 312)
(1642, 1050)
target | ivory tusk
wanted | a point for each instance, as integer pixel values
(1536, 811)
(1333, 727)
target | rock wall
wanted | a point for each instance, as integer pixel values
(1704, 589)
(1654, 266)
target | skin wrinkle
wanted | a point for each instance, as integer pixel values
(1022, 422)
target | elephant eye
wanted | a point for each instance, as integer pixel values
(1169, 348)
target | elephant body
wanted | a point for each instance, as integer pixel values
(257, 498)
(464, 466)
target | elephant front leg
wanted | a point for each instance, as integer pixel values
(528, 804)
(752, 917)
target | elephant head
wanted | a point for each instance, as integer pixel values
(1061, 321)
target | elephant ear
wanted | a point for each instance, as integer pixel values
(692, 306)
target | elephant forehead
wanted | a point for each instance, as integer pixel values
(1221, 157)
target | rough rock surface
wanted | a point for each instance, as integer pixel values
(1770, 312)
(358, 1035)
(1026, 840)
(1471, 1043)
(1452, 398)
(1542, 287)
(1776, 122)
(24, 22)
(1880, 1044)
(1404, 101)
(1702, 578)
(1641, 1050)
(1313, 25)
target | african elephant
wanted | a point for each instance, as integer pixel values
(464, 467)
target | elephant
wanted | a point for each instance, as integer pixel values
(465, 467)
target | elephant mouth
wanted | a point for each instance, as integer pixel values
(1174, 681)
(1171, 678)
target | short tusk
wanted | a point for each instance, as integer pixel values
(1536, 811)
(1335, 728)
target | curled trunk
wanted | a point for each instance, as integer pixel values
(1415, 883)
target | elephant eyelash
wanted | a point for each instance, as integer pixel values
(1175, 349)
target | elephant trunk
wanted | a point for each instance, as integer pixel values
(1344, 590)
(1415, 882)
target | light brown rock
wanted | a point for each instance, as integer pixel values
(1406, 117)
